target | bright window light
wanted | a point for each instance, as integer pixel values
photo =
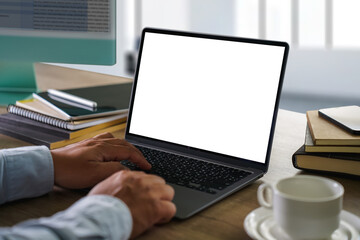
(311, 23)
(346, 19)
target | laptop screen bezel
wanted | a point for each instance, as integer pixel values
(194, 151)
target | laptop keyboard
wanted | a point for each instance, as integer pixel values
(188, 172)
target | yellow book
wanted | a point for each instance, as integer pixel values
(63, 143)
(101, 126)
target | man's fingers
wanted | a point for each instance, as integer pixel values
(110, 139)
(137, 158)
(151, 180)
(104, 135)
(164, 191)
(121, 142)
(167, 211)
(119, 153)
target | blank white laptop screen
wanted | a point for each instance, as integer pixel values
(209, 94)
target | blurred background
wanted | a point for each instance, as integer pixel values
(323, 35)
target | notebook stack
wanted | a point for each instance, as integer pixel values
(53, 122)
(328, 147)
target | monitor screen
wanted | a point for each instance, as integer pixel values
(211, 94)
(59, 31)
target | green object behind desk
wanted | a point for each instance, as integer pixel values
(17, 81)
(18, 53)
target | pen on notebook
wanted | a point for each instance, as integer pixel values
(72, 98)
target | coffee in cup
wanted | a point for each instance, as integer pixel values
(304, 207)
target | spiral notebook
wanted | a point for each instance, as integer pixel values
(113, 103)
(17, 121)
(61, 123)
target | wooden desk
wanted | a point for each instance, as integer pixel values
(223, 220)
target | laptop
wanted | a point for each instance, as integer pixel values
(203, 110)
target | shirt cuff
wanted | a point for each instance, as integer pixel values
(93, 217)
(25, 172)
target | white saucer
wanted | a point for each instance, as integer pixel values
(260, 225)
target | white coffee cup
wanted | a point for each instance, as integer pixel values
(304, 207)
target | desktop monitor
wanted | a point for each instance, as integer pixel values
(57, 31)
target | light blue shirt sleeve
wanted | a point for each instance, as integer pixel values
(28, 172)
(93, 217)
(25, 172)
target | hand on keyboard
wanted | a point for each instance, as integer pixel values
(148, 197)
(188, 172)
(84, 164)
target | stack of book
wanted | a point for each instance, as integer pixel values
(328, 147)
(54, 122)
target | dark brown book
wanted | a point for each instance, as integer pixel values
(344, 163)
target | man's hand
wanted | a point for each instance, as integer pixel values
(84, 164)
(147, 196)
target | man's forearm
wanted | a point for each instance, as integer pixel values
(25, 172)
(93, 217)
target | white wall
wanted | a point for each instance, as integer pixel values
(326, 73)
(210, 16)
(171, 14)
